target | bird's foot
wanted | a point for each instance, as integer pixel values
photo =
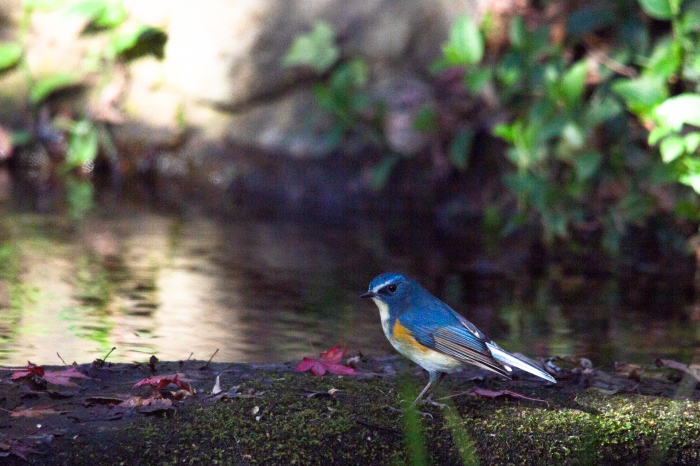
(430, 401)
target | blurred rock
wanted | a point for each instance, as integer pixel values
(10, 16)
(221, 83)
(405, 96)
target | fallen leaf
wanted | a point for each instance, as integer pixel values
(605, 391)
(217, 386)
(162, 381)
(484, 393)
(143, 405)
(35, 412)
(151, 405)
(63, 377)
(31, 369)
(328, 362)
(693, 370)
(54, 377)
(17, 447)
(102, 400)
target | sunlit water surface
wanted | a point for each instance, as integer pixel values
(267, 291)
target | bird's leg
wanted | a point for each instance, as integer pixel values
(437, 383)
(433, 391)
(424, 390)
(434, 381)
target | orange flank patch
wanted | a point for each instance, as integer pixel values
(404, 337)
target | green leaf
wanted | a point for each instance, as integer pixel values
(671, 148)
(43, 5)
(601, 109)
(465, 45)
(324, 97)
(21, 138)
(589, 19)
(663, 173)
(100, 13)
(574, 82)
(657, 134)
(113, 14)
(477, 79)
(677, 111)
(657, 9)
(692, 180)
(79, 196)
(586, 165)
(611, 239)
(382, 171)
(691, 141)
(351, 75)
(316, 49)
(505, 131)
(10, 54)
(517, 32)
(573, 135)
(49, 84)
(425, 120)
(555, 225)
(641, 94)
(83, 144)
(665, 59)
(635, 206)
(144, 40)
(460, 148)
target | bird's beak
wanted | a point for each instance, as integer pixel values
(369, 294)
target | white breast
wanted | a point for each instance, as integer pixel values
(384, 315)
(428, 359)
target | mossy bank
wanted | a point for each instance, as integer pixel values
(285, 418)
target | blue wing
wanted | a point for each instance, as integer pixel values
(442, 329)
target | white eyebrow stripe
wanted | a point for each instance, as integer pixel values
(380, 286)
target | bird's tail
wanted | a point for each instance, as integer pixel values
(511, 360)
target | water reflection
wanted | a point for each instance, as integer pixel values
(150, 283)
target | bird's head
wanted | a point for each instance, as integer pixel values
(394, 291)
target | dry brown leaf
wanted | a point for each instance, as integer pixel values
(693, 370)
(35, 412)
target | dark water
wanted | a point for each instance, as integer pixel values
(262, 291)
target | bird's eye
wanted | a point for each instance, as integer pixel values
(391, 288)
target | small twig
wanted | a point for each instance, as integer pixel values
(59, 357)
(110, 352)
(454, 395)
(269, 408)
(190, 356)
(611, 63)
(374, 426)
(206, 366)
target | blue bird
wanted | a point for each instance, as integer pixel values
(431, 334)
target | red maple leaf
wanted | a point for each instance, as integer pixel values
(31, 369)
(54, 377)
(162, 381)
(328, 362)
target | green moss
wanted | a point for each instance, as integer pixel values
(282, 424)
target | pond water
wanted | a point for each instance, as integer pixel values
(176, 286)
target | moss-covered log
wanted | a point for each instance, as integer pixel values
(283, 418)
